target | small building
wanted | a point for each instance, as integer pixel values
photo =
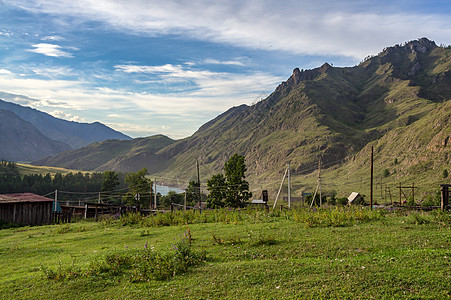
(261, 202)
(356, 198)
(26, 209)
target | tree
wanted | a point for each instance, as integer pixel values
(217, 187)
(140, 188)
(110, 181)
(237, 187)
(192, 193)
(231, 189)
(445, 173)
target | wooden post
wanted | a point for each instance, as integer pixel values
(319, 182)
(155, 196)
(56, 200)
(371, 181)
(445, 196)
(198, 180)
(289, 187)
(150, 198)
(86, 210)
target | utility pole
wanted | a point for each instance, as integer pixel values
(184, 203)
(56, 200)
(198, 181)
(319, 183)
(289, 187)
(280, 188)
(371, 182)
(155, 195)
(150, 198)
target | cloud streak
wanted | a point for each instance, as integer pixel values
(50, 50)
(348, 28)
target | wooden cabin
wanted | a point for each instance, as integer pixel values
(26, 209)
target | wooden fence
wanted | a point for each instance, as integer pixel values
(61, 217)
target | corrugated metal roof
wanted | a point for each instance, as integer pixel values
(353, 196)
(258, 201)
(23, 197)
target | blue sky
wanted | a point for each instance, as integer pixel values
(146, 67)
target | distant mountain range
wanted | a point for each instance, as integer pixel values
(397, 102)
(28, 134)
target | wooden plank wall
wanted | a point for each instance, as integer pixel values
(27, 213)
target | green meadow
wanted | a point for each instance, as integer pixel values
(338, 253)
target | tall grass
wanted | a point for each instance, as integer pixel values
(191, 217)
(138, 265)
(335, 216)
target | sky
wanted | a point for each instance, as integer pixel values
(146, 67)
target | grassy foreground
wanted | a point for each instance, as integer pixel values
(337, 253)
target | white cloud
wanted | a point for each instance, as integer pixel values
(53, 38)
(350, 28)
(4, 71)
(67, 116)
(53, 72)
(5, 33)
(225, 62)
(80, 101)
(114, 116)
(50, 50)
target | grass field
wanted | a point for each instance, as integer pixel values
(27, 169)
(332, 253)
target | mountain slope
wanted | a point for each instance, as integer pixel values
(389, 101)
(332, 113)
(118, 155)
(74, 134)
(22, 141)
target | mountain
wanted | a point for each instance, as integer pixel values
(74, 134)
(397, 101)
(118, 155)
(22, 141)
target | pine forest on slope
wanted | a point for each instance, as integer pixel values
(397, 101)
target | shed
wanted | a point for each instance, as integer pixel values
(26, 209)
(355, 198)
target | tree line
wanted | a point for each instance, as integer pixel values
(134, 188)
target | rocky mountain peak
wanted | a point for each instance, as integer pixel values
(421, 45)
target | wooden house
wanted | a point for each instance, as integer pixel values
(26, 209)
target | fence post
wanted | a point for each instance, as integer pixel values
(445, 196)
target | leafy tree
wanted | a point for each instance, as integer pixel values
(237, 187)
(231, 189)
(217, 187)
(192, 193)
(445, 173)
(172, 197)
(386, 173)
(140, 188)
(110, 181)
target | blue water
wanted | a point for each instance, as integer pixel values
(164, 190)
